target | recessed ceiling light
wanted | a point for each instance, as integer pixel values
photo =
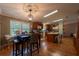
(51, 13)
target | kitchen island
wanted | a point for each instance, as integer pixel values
(51, 36)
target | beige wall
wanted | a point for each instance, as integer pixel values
(0, 28)
(0, 31)
(4, 22)
(69, 28)
(5, 25)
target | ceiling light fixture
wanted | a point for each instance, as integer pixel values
(51, 13)
(30, 9)
(30, 18)
(58, 20)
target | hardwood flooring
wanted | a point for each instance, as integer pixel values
(66, 48)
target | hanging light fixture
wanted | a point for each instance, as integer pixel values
(30, 16)
(30, 9)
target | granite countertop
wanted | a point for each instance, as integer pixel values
(53, 33)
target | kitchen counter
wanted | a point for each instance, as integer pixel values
(53, 33)
(50, 37)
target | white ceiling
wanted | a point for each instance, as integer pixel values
(66, 11)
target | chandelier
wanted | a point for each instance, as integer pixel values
(30, 9)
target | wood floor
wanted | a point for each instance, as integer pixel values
(66, 48)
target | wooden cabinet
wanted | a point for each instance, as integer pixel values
(49, 27)
(35, 25)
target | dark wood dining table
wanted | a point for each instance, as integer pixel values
(18, 43)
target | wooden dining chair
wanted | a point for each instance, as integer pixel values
(34, 43)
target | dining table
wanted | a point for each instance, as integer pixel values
(18, 44)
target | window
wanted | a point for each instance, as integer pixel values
(18, 26)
